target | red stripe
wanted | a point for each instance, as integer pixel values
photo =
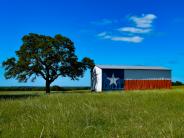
(147, 84)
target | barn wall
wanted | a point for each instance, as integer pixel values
(107, 74)
(147, 84)
(147, 79)
(135, 74)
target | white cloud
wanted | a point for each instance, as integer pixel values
(102, 34)
(134, 39)
(145, 21)
(107, 37)
(134, 30)
(142, 26)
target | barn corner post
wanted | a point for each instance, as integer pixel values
(96, 75)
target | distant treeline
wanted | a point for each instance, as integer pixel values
(177, 83)
(57, 88)
(34, 88)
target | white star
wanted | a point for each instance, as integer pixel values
(113, 80)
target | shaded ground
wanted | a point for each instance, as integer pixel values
(17, 96)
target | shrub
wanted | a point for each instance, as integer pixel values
(177, 83)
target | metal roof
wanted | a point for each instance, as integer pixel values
(132, 67)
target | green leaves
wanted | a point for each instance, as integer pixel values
(89, 63)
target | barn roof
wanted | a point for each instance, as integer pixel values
(132, 67)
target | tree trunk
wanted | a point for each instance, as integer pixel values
(47, 87)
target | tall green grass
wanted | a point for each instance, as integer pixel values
(152, 113)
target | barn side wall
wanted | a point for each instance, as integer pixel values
(147, 84)
(147, 79)
(135, 74)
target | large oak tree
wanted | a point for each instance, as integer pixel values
(48, 57)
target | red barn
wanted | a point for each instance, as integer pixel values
(110, 77)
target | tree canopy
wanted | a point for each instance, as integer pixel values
(48, 57)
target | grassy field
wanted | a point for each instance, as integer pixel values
(151, 113)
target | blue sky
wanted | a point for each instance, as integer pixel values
(125, 32)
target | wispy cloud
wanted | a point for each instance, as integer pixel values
(134, 39)
(102, 34)
(134, 30)
(103, 22)
(145, 21)
(142, 26)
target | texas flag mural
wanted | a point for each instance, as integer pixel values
(112, 79)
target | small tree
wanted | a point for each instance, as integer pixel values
(48, 57)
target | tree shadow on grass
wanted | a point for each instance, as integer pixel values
(17, 96)
(70, 92)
